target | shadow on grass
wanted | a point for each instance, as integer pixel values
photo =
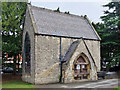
(17, 84)
(14, 81)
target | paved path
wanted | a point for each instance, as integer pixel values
(108, 83)
(111, 83)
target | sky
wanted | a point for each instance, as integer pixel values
(92, 8)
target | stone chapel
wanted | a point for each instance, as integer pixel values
(59, 47)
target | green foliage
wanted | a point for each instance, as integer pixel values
(13, 17)
(109, 32)
(13, 14)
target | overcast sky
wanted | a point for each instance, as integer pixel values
(92, 9)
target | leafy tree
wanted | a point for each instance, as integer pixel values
(109, 32)
(13, 16)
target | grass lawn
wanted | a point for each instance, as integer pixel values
(16, 84)
(118, 88)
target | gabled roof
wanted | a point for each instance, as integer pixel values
(48, 22)
(71, 50)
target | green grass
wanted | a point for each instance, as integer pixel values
(16, 84)
(118, 88)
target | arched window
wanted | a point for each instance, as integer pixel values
(27, 50)
(81, 68)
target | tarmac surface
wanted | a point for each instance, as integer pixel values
(106, 83)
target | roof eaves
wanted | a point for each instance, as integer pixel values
(66, 36)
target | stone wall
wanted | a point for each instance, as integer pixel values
(29, 28)
(94, 48)
(93, 45)
(47, 61)
(66, 42)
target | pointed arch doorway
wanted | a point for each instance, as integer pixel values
(81, 68)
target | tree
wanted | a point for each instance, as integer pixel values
(13, 16)
(109, 31)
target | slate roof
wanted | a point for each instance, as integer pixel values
(70, 51)
(49, 22)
